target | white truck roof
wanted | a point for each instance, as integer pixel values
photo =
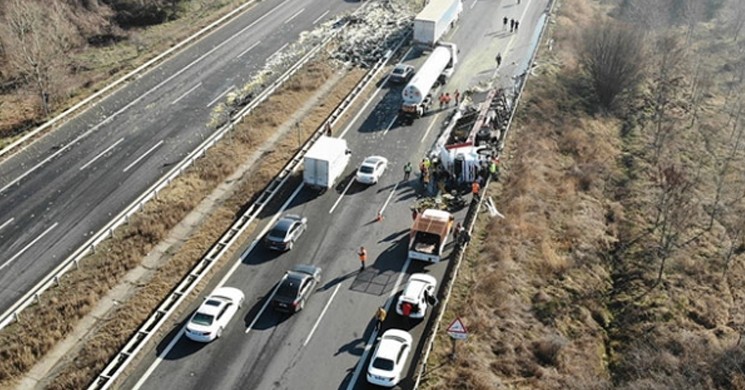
(326, 147)
(434, 10)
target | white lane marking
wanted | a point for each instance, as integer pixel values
(474, 3)
(431, 125)
(133, 102)
(364, 107)
(294, 16)
(8, 222)
(25, 248)
(249, 49)
(390, 125)
(142, 156)
(374, 334)
(320, 17)
(278, 50)
(341, 196)
(186, 93)
(382, 209)
(222, 282)
(318, 321)
(221, 95)
(101, 154)
(262, 310)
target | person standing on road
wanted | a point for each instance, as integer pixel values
(517, 24)
(499, 59)
(363, 257)
(504, 23)
(407, 171)
(475, 188)
(512, 25)
(457, 97)
(380, 318)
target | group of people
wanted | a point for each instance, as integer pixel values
(514, 24)
(446, 98)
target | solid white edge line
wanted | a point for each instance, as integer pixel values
(474, 3)
(247, 50)
(374, 334)
(320, 17)
(7, 223)
(142, 156)
(341, 196)
(162, 355)
(382, 209)
(221, 95)
(294, 16)
(25, 248)
(277, 51)
(101, 154)
(323, 312)
(186, 93)
(377, 91)
(431, 125)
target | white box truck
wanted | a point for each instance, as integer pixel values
(435, 20)
(438, 67)
(325, 162)
(429, 234)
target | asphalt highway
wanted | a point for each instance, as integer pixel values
(63, 188)
(327, 345)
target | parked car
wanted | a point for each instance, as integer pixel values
(418, 293)
(371, 169)
(401, 73)
(295, 287)
(284, 233)
(389, 358)
(214, 314)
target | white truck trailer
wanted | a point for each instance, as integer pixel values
(325, 162)
(438, 67)
(429, 234)
(435, 20)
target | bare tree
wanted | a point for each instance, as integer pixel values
(612, 57)
(669, 57)
(37, 39)
(736, 18)
(693, 12)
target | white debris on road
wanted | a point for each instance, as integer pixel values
(362, 37)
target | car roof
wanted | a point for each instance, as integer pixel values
(390, 344)
(211, 306)
(414, 289)
(403, 66)
(373, 160)
(284, 223)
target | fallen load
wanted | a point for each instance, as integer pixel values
(429, 234)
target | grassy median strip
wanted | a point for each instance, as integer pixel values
(43, 325)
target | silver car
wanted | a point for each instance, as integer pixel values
(284, 233)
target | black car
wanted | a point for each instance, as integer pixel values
(284, 233)
(401, 73)
(295, 288)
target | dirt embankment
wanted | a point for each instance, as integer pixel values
(620, 261)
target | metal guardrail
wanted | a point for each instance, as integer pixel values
(470, 221)
(72, 261)
(126, 77)
(167, 307)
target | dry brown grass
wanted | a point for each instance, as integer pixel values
(560, 291)
(25, 342)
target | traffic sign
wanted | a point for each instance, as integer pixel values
(457, 330)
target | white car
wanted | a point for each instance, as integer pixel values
(213, 314)
(389, 358)
(371, 169)
(412, 302)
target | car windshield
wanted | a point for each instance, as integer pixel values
(366, 169)
(398, 71)
(288, 289)
(383, 364)
(279, 231)
(203, 319)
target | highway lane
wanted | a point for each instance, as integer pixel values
(67, 185)
(328, 344)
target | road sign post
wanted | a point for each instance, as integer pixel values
(457, 331)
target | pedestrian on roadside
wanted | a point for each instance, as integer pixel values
(427, 163)
(447, 99)
(504, 23)
(380, 315)
(457, 97)
(475, 188)
(499, 59)
(512, 25)
(363, 257)
(442, 100)
(458, 230)
(328, 129)
(407, 171)
(517, 24)
(414, 214)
